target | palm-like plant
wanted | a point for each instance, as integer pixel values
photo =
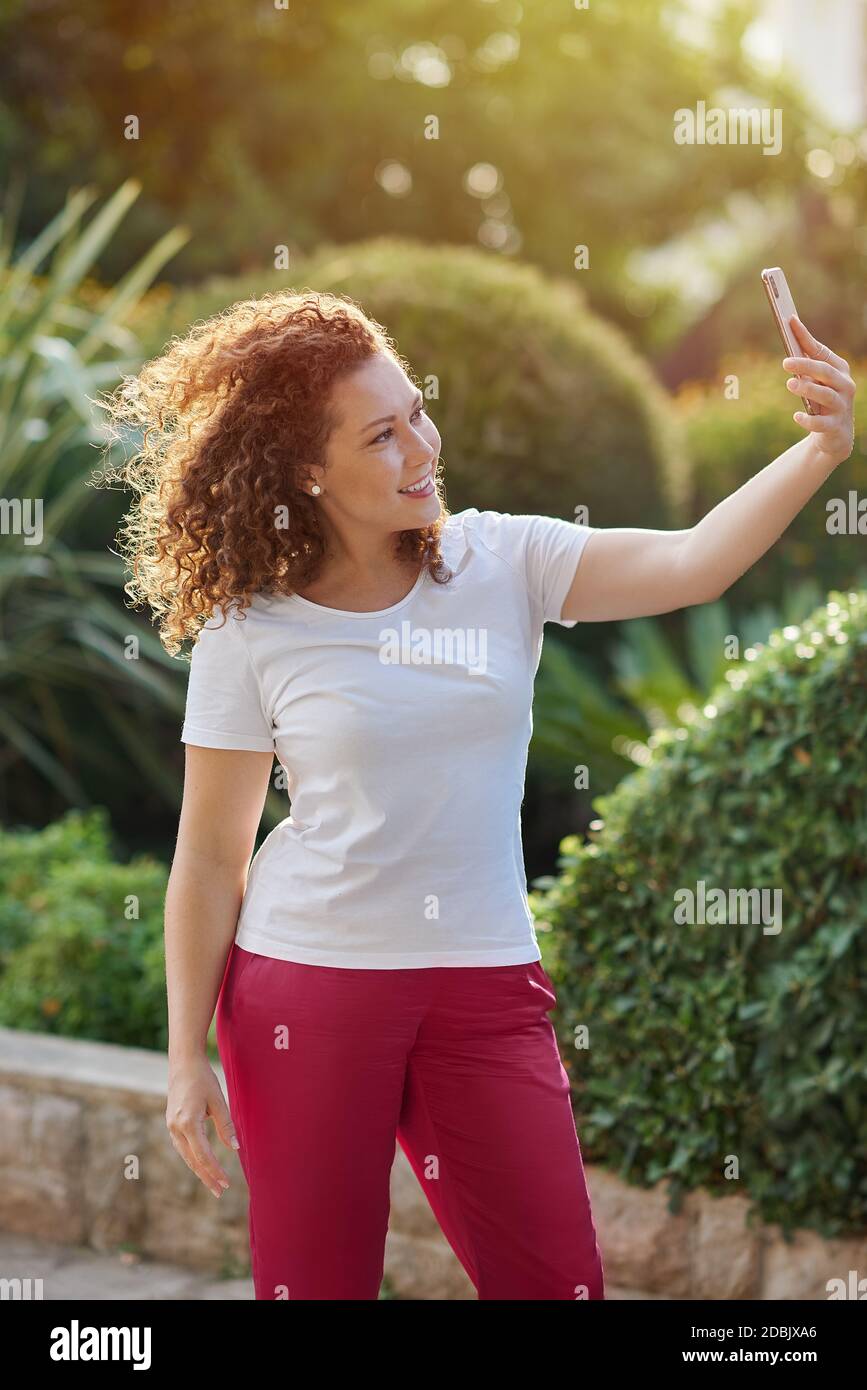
(75, 708)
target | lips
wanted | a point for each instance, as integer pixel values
(419, 484)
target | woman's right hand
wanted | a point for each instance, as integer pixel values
(195, 1092)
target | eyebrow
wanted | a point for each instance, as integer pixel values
(383, 419)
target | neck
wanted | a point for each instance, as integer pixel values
(361, 555)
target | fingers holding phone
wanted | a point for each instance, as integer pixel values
(822, 379)
(784, 311)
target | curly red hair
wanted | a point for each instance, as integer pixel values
(231, 417)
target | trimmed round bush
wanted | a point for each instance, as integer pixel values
(728, 441)
(722, 1046)
(541, 405)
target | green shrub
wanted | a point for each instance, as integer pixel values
(728, 441)
(29, 857)
(714, 1040)
(609, 717)
(542, 406)
(74, 963)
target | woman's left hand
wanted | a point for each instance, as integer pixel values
(825, 379)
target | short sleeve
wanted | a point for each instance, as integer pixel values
(545, 550)
(224, 702)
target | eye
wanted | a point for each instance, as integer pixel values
(419, 410)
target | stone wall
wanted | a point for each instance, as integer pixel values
(85, 1158)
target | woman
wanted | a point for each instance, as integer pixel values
(375, 970)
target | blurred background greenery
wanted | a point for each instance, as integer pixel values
(306, 128)
(288, 146)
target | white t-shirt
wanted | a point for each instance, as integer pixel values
(403, 736)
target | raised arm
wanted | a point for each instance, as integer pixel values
(627, 572)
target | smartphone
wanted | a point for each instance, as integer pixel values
(782, 307)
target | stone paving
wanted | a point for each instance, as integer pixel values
(71, 1272)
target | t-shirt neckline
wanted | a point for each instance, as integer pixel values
(367, 613)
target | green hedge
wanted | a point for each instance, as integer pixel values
(28, 858)
(71, 961)
(728, 441)
(715, 1040)
(542, 406)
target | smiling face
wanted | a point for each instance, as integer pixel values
(383, 442)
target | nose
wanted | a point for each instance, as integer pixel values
(423, 450)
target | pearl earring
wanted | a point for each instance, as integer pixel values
(316, 489)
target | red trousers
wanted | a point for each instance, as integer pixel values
(328, 1068)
